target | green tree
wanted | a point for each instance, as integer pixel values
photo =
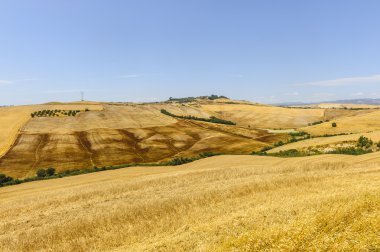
(4, 178)
(41, 173)
(50, 171)
(364, 142)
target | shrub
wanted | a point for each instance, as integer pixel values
(290, 153)
(334, 125)
(349, 151)
(41, 173)
(179, 161)
(299, 133)
(315, 123)
(267, 148)
(4, 178)
(364, 142)
(279, 144)
(50, 171)
(208, 154)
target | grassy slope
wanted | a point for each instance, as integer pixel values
(363, 122)
(216, 204)
(137, 133)
(265, 116)
(320, 141)
(122, 134)
(12, 119)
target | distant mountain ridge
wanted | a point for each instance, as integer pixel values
(367, 101)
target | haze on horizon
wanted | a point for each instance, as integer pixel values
(264, 51)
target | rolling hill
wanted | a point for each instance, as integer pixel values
(104, 134)
(231, 202)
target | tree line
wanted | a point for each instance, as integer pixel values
(53, 113)
(212, 119)
(50, 173)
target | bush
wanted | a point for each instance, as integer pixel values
(179, 161)
(50, 171)
(364, 142)
(349, 151)
(41, 173)
(279, 144)
(267, 148)
(290, 153)
(315, 123)
(4, 178)
(299, 133)
(334, 125)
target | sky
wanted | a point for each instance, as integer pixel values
(265, 51)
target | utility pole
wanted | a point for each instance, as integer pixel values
(82, 95)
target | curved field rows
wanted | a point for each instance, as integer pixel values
(12, 119)
(225, 203)
(108, 146)
(112, 117)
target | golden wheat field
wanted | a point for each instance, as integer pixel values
(362, 122)
(13, 119)
(224, 203)
(326, 141)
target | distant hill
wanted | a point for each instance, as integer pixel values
(368, 101)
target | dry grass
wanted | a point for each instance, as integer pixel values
(222, 203)
(265, 116)
(12, 120)
(345, 105)
(325, 141)
(359, 123)
(122, 134)
(112, 134)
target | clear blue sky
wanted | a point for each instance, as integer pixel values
(140, 50)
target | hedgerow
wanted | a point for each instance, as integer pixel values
(212, 119)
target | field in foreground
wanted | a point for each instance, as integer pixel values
(223, 203)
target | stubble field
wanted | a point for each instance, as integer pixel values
(225, 203)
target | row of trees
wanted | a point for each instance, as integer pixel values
(53, 113)
(50, 173)
(40, 174)
(212, 119)
(319, 122)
